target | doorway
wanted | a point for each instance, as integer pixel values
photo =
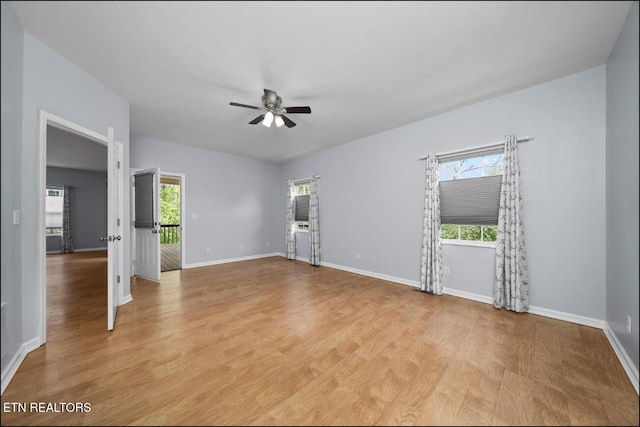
(47, 121)
(75, 207)
(170, 222)
(158, 229)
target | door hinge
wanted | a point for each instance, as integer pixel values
(118, 222)
(118, 164)
(118, 278)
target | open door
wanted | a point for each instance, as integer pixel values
(146, 185)
(114, 227)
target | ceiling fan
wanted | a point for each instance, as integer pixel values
(272, 104)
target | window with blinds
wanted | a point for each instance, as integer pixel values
(54, 211)
(302, 206)
(470, 196)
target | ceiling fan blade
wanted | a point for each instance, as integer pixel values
(298, 110)
(235, 104)
(257, 120)
(287, 122)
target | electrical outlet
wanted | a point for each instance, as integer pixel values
(208, 250)
(447, 270)
(357, 255)
(268, 244)
(241, 246)
(628, 324)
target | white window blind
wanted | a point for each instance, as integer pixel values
(302, 208)
(471, 201)
(53, 217)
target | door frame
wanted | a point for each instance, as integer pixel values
(47, 119)
(183, 210)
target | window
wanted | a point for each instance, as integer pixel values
(470, 197)
(54, 198)
(302, 206)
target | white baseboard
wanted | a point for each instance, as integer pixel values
(228, 260)
(372, 274)
(567, 317)
(468, 295)
(91, 249)
(79, 250)
(625, 360)
(15, 362)
(126, 299)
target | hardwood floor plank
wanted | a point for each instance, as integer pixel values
(277, 342)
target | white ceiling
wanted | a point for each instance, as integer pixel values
(362, 67)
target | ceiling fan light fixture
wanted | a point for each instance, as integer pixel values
(268, 119)
(274, 112)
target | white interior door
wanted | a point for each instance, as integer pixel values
(147, 223)
(114, 227)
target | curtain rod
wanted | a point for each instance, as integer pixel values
(478, 148)
(295, 181)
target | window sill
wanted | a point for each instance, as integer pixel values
(473, 243)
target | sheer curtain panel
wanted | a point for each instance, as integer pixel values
(290, 221)
(511, 289)
(67, 239)
(431, 260)
(314, 227)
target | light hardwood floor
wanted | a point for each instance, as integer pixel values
(277, 342)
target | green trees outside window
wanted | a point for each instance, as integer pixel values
(469, 232)
(170, 213)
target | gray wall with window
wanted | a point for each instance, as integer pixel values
(88, 206)
(371, 193)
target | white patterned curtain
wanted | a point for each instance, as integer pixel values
(511, 289)
(314, 228)
(291, 221)
(431, 261)
(67, 240)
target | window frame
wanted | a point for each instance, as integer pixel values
(483, 168)
(459, 242)
(302, 226)
(51, 231)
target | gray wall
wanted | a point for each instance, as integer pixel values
(52, 83)
(88, 205)
(371, 193)
(234, 198)
(622, 186)
(11, 138)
